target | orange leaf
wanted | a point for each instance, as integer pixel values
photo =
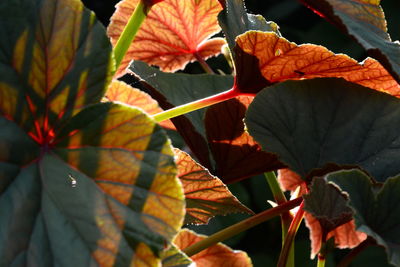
(122, 92)
(206, 195)
(289, 181)
(217, 255)
(173, 34)
(345, 235)
(280, 60)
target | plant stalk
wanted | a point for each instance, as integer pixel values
(241, 226)
(195, 105)
(130, 31)
(204, 64)
(289, 240)
(286, 217)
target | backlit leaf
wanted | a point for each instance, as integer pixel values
(122, 92)
(365, 21)
(232, 147)
(206, 195)
(173, 34)
(173, 257)
(280, 60)
(377, 212)
(216, 255)
(80, 182)
(311, 123)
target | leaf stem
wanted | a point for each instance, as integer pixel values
(195, 105)
(130, 31)
(355, 252)
(286, 217)
(288, 243)
(241, 226)
(204, 64)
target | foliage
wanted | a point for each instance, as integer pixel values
(88, 173)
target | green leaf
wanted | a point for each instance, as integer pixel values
(311, 123)
(365, 21)
(327, 204)
(377, 211)
(81, 184)
(173, 257)
(234, 20)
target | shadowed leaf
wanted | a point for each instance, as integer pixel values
(377, 212)
(280, 60)
(174, 89)
(365, 21)
(206, 195)
(312, 123)
(231, 146)
(122, 92)
(173, 34)
(173, 257)
(217, 255)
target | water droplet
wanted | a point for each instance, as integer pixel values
(73, 180)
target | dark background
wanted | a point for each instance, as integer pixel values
(299, 25)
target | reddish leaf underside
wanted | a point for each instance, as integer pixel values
(216, 255)
(206, 195)
(122, 92)
(280, 60)
(173, 34)
(232, 147)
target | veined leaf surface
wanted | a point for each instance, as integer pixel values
(79, 182)
(365, 21)
(173, 34)
(279, 60)
(217, 255)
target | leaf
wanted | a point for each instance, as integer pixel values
(81, 182)
(312, 123)
(234, 20)
(173, 34)
(377, 212)
(365, 21)
(216, 255)
(173, 257)
(122, 92)
(39, 71)
(280, 60)
(289, 181)
(345, 236)
(206, 195)
(174, 89)
(231, 146)
(327, 204)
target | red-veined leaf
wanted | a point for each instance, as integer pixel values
(279, 60)
(216, 255)
(122, 92)
(173, 34)
(206, 195)
(173, 257)
(81, 182)
(364, 20)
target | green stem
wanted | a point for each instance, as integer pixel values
(204, 64)
(195, 105)
(129, 32)
(286, 218)
(321, 261)
(323, 251)
(289, 240)
(241, 226)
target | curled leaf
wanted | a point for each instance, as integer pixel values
(279, 60)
